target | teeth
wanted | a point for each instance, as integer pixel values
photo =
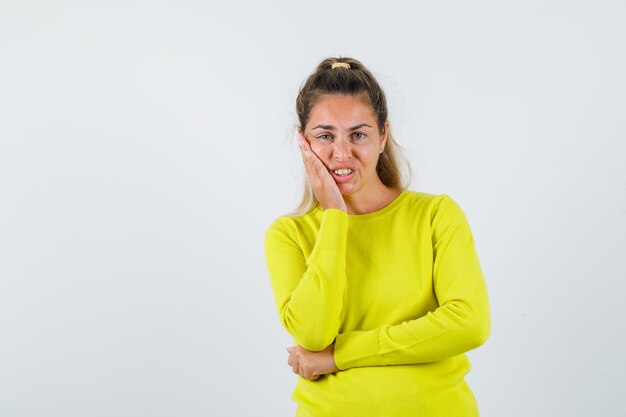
(343, 172)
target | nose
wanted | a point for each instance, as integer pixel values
(342, 150)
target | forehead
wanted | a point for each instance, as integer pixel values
(340, 110)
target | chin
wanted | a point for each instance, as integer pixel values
(347, 190)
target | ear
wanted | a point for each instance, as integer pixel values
(383, 136)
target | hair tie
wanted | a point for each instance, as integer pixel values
(340, 65)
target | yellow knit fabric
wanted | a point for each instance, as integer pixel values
(401, 294)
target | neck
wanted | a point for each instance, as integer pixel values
(371, 200)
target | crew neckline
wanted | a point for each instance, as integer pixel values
(393, 203)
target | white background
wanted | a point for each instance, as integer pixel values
(146, 146)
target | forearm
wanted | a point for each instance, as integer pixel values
(309, 292)
(312, 313)
(450, 330)
(461, 321)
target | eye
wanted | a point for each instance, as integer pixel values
(325, 137)
(359, 135)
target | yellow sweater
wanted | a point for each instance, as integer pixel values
(401, 294)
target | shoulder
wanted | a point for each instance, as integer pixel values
(294, 226)
(433, 203)
(440, 210)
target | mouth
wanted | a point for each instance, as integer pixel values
(343, 172)
(342, 175)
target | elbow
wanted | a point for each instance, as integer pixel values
(311, 336)
(479, 335)
(479, 330)
(473, 323)
(311, 340)
(315, 344)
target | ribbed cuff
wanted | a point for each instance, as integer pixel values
(332, 237)
(358, 348)
(334, 226)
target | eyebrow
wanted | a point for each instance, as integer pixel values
(329, 127)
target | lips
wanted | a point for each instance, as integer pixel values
(342, 174)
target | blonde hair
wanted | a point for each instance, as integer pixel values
(353, 80)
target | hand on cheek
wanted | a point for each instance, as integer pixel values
(322, 183)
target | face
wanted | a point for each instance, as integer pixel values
(344, 134)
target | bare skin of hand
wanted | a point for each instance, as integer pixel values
(311, 365)
(322, 183)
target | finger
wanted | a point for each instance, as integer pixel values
(321, 168)
(306, 372)
(313, 163)
(303, 141)
(311, 167)
(315, 160)
(307, 156)
(305, 145)
(291, 357)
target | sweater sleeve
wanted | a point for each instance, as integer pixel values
(460, 323)
(309, 291)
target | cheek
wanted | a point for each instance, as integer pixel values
(371, 155)
(318, 148)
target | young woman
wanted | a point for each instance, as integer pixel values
(380, 287)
